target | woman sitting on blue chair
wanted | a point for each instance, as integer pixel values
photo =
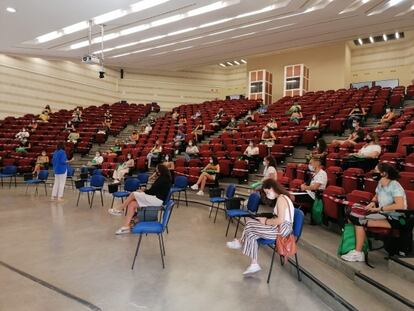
(154, 197)
(266, 228)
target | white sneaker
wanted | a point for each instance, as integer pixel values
(354, 256)
(115, 212)
(235, 244)
(194, 187)
(123, 230)
(200, 192)
(253, 268)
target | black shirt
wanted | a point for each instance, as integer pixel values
(359, 135)
(160, 188)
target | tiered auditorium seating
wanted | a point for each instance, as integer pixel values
(48, 134)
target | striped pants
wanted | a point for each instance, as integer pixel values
(255, 230)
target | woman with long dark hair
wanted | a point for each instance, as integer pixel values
(209, 173)
(389, 197)
(155, 196)
(266, 228)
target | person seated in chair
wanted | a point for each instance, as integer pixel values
(44, 116)
(133, 138)
(196, 115)
(123, 169)
(294, 108)
(366, 157)
(232, 126)
(107, 124)
(272, 124)
(77, 115)
(320, 151)
(217, 118)
(153, 197)
(199, 130)
(313, 124)
(182, 121)
(357, 135)
(251, 154)
(116, 149)
(389, 198)
(191, 151)
(168, 163)
(178, 141)
(388, 116)
(266, 228)
(22, 136)
(250, 116)
(69, 126)
(148, 129)
(42, 163)
(296, 116)
(268, 137)
(209, 173)
(108, 115)
(95, 163)
(318, 182)
(23, 147)
(357, 113)
(175, 115)
(33, 126)
(73, 137)
(154, 153)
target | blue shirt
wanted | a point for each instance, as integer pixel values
(386, 196)
(59, 163)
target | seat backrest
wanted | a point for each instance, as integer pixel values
(298, 219)
(97, 181)
(230, 191)
(131, 184)
(410, 199)
(167, 213)
(143, 178)
(97, 172)
(253, 202)
(70, 171)
(10, 169)
(43, 175)
(181, 182)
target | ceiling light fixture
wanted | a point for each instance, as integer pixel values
(230, 64)
(145, 4)
(243, 61)
(397, 35)
(265, 9)
(220, 21)
(236, 62)
(222, 65)
(75, 27)
(360, 41)
(384, 36)
(49, 36)
(385, 7)
(11, 10)
(371, 39)
(104, 18)
(208, 8)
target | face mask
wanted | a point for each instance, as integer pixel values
(251, 145)
(190, 144)
(354, 124)
(317, 146)
(97, 154)
(264, 163)
(271, 195)
(314, 119)
(387, 110)
(167, 158)
(129, 157)
(211, 161)
(311, 167)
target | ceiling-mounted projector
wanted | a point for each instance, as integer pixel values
(91, 59)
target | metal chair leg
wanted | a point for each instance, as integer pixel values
(45, 189)
(297, 268)
(211, 210)
(27, 188)
(161, 251)
(186, 200)
(237, 227)
(136, 251)
(163, 244)
(77, 203)
(217, 208)
(228, 226)
(15, 181)
(89, 199)
(112, 204)
(100, 191)
(271, 265)
(93, 195)
(36, 190)
(179, 198)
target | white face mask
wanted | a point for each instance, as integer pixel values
(190, 143)
(167, 158)
(264, 163)
(314, 118)
(251, 145)
(97, 155)
(354, 124)
(129, 156)
(211, 161)
(387, 110)
(271, 195)
(311, 167)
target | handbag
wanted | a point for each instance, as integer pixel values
(233, 203)
(286, 246)
(347, 242)
(215, 192)
(112, 188)
(79, 183)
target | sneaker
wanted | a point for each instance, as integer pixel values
(194, 187)
(235, 244)
(354, 256)
(200, 192)
(253, 268)
(115, 212)
(123, 230)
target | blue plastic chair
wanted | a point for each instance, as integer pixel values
(153, 227)
(298, 220)
(180, 185)
(252, 207)
(9, 171)
(143, 178)
(130, 185)
(70, 173)
(230, 191)
(41, 179)
(96, 184)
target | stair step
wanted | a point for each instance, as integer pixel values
(403, 267)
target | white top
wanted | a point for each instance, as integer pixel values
(269, 170)
(288, 217)
(191, 149)
(98, 160)
(148, 129)
(366, 150)
(250, 151)
(319, 178)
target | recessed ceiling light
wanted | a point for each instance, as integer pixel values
(243, 61)
(11, 10)
(371, 39)
(360, 41)
(230, 64)
(384, 36)
(397, 35)
(222, 65)
(49, 36)
(236, 62)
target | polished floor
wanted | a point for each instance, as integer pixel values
(56, 256)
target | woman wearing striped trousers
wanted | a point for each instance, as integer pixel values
(266, 228)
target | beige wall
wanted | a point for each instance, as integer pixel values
(384, 61)
(27, 84)
(326, 66)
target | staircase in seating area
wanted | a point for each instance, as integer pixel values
(122, 136)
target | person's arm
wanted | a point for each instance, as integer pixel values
(263, 136)
(272, 135)
(281, 206)
(245, 152)
(217, 168)
(312, 187)
(398, 204)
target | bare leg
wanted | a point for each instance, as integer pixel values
(131, 198)
(360, 232)
(200, 179)
(204, 181)
(132, 207)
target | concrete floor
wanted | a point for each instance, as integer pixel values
(75, 251)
